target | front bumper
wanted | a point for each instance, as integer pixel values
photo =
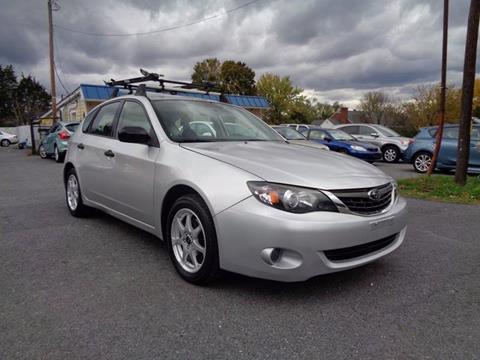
(247, 230)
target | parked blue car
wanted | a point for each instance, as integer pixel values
(420, 151)
(340, 141)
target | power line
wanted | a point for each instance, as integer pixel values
(60, 80)
(174, 27)
(60, 62)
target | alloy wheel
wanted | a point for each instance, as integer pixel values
(390, 155)
(5, 143)
(422, 162)
(57, 154)
(42, 152)
(72, 192)
(188, 240)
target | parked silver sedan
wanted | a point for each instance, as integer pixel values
(392, 144)
(238, 198)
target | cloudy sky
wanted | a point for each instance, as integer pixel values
(335, 49)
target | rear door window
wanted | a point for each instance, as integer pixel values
(366, 131)
(352, 130)
(103, 123)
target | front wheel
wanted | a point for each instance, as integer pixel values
(5, 143)
(422, 162)
(192, 241)
(42, 152)
(391, 154)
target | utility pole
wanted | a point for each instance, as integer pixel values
(463, 148)
(443, 89)
(53, 91)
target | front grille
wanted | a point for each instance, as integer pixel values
(359, 250)
(359, 200)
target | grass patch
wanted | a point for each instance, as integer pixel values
(441, 188)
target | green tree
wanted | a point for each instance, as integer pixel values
(207, 70)
(281, 95)
(31, 100)
(8, 85)
(237, 78)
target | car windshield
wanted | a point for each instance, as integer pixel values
(197, 121)
(386, 131)
(340, 135)
(72, 127)
(290, 134)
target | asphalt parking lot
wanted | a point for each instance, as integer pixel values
(98, 288)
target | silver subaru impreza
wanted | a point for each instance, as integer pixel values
(225, 191)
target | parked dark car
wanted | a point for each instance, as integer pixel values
(340, 141)
(420, 151)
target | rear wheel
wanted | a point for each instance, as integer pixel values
(5, 143)
(422, 162)
(391, 154)
(74, 196)
(59, 156)
(192, 241)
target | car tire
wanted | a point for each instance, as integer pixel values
(421, 161)
(42, 152)
(391, 154)
(192, 240)
(57, 155)
(5, 143)
(73, 195)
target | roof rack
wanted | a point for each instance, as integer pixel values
(141, 89)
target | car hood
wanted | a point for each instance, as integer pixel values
(309, 143)
(296, 165)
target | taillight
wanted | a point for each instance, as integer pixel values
(64, 135)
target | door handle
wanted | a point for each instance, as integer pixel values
(81, 146)
(109, 153)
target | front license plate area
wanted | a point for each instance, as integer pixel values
(381, 224)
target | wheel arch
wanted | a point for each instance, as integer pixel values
(68, 166)
(169, 199)
(384, 146)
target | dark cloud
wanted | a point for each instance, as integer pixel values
(336, 49)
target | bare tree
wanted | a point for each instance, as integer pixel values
(373, 105)
(467, 93)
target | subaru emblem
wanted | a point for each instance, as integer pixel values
(374, 194)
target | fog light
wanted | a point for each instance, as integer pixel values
(275, 255)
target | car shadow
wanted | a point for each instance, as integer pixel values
(236, 284)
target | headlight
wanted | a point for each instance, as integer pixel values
(358, 148)
(291, 198)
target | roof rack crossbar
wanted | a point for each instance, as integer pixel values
(147, 76)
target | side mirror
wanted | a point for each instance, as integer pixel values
(375, 135)
(134, 134)
(327, 139)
